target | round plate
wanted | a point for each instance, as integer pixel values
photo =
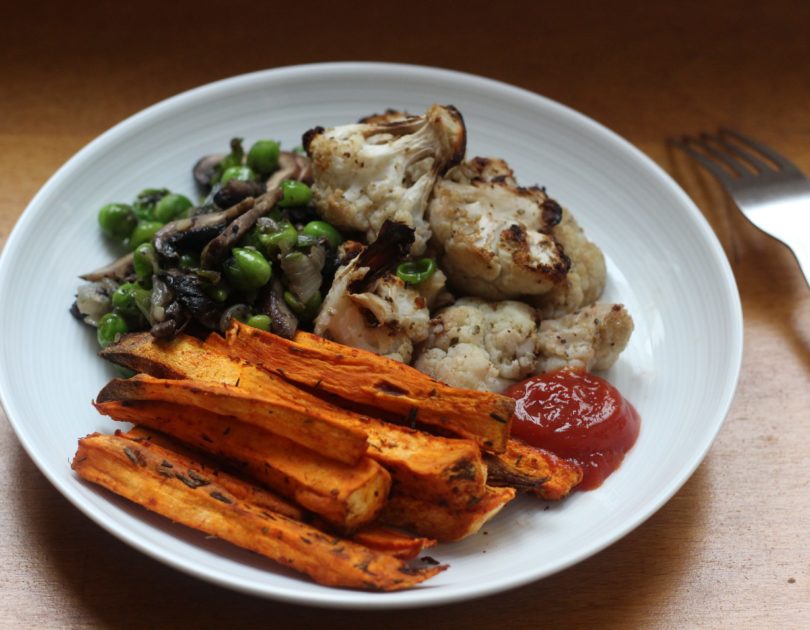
(664, 264)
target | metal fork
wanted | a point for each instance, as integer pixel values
(770, 191)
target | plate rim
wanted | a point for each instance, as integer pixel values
(342, 598)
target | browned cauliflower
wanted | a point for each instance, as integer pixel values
(368, 306)
(480, 345)
(585, 280)
(495, 235)
(384, 169)
(592, 337)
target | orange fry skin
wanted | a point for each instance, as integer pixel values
(186, 492)
(368, 379)
(260, 497)
(389, 540)
(440, 522)
(346, 496)
(310, 426)
(439, 469)
(533, 470)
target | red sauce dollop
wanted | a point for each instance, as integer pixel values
(576, 415)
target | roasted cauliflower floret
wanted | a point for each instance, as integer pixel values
(592, 337)
(370, 172)
(480, 345)
(371, 308)
(586, 278)
(435, 292)
(495, 235)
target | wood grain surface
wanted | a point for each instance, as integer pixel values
(729, 550)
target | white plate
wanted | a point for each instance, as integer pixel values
(664, 263)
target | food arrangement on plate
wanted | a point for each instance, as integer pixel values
(408, 340)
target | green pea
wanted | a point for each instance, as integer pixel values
(145, 261)
(416, 271)
(294, 194)
(123, 299)
(240, 173)
(117, 220)
(132, 300)
(145, 202)
(321, 229)
(217, 292)
(306, 311)
(263, 156)
(283, 240)
(189, 261)
(171, 207)
(259, 321)
(247, 269)
(144, 232)
(110, 328)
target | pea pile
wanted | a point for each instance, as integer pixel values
(273, 275)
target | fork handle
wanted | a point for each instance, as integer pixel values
(799, 244)
(791, 228)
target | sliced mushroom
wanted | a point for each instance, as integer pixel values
(206, 168)
(218, 248)
(188, 291)
(283, 321)
(291, 166)
(200, 228)
(235, 191)
(117, 270)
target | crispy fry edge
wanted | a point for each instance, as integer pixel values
(172, 485)
(369, 379)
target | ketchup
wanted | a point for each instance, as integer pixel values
(576, 415)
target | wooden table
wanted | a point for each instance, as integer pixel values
(729, 550)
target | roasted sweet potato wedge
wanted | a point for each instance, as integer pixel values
(344, 495)
(440, 522)
(310, 426)
(443, 470)
(533, 470)
(258, 496)
(369, 379)
(188, 493)
(396, 542)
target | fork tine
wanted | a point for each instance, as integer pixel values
(734, 149)
(705, 141)
(772, 155)
(722, 176)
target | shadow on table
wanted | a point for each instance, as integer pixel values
(773, 291)
(99, 580)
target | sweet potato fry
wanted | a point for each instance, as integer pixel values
(393, 541)
(182, 357)
(438, 469)
(259, 497)
(187, 493)
(368, 379)
(309, 426)
(346, 496)
(442, 523)
(188, 357)
(533, 470)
